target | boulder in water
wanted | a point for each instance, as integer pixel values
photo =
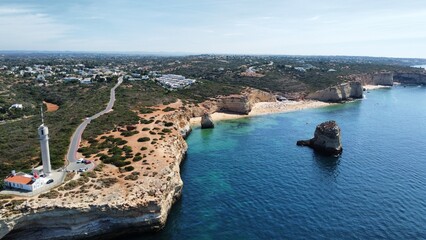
(327, 139)
(206, 121)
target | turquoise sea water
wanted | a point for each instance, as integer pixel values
(247, 179)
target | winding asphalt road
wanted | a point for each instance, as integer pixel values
(76, 137)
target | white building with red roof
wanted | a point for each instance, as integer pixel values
(23, 181)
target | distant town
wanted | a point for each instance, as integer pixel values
(79, 73)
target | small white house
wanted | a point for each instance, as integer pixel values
(23, 181)
(17, 106)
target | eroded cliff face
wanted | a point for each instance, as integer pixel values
(339, 93)
(237, 103)
(380, 78)
(101, 206)
(384, 78)
(411, 78)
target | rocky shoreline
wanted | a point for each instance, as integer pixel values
(120, 206)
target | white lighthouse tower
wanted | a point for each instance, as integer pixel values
(43, 132)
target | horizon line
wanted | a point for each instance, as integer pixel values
(177, 53)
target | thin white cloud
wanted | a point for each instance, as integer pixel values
(25, 28)
(12, 10)
(314, 18)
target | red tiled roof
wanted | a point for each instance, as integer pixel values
(19, 179)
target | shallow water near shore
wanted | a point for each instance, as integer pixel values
(247, 179)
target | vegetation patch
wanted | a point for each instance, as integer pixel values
(107, 182)
(69, 176)
(168, 109)
(145, 121)
(134, 176)
(129, 133)
(53, 194)
(168, 124)
(129, 168)
(75, 183)
(99, 167)
(90, 174)
(144, 139)
(145, 110)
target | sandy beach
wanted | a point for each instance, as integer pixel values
(263, 108)
(373, 87)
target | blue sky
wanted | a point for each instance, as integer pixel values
(393, 28)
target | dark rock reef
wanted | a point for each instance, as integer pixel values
(327, 139)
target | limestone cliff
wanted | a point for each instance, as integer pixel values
(112, 201)
(411, 78)
(238, 103)
(383, 78)
(342, 92)
(379, 78)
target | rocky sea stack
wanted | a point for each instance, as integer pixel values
(327, 139)
(206, 121)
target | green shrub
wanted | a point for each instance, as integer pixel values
(129, 133)
(137, 158)
(146, 110)
(144, 121)
(144, 139)
(129, 168)
(121, 142)
(168, 109)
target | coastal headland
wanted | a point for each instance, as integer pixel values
(137, 175)
(136, 193)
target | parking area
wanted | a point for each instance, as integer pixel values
(80, 167)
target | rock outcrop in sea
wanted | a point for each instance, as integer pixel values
(339, 93)
(327, 139)
(207, 121)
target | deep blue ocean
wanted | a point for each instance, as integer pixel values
(247, 179)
